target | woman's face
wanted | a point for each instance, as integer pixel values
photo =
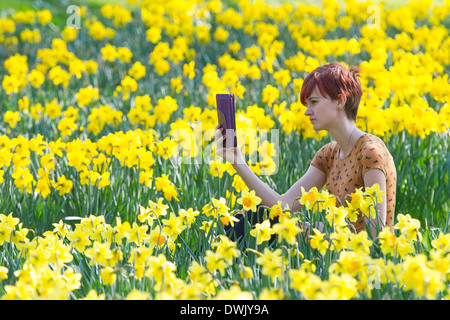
(321, 110)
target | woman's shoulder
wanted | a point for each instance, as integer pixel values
(324, 155)
(371, 137)
(373, 149)
(328, 148)
(371, 142)
(327, 151)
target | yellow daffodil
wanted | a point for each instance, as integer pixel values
(287, 230)
(249, 200)
(271, 262)
(319, 242)
(262, 232)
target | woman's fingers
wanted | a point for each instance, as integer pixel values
(227, 153)
(218, 136)
(218, 133)
(219, 142)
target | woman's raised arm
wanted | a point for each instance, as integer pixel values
(269, 197)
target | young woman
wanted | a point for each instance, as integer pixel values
(354, 159)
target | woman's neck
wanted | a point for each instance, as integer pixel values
(346, 137)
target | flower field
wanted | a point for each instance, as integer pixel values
(109, 185)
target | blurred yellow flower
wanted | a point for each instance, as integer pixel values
(318, 241)
(220, 35)
(53, 109)
(124, 54)
(69, 34)
(44, 16)
(189, 69)
(310, 199)
(409, 227)
(262, 232)
(59, 76)
(270, 94)
(32, 36)
(11, 118)
(85, 96)
(108, 275)
(36, 78)
(153, 34)
(288, 230)
(63, 185)
(271, 262)
(137, 70)
(3, 273)
(109, 52)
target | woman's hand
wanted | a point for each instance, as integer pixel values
(232, 155)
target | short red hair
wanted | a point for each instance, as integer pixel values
(335, 79)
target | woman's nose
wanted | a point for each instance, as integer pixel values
(308, 111)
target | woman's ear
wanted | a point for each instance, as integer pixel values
(341, 100)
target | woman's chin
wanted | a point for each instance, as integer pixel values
(316, 127)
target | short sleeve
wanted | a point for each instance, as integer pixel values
(320, 160)
(374, 156)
